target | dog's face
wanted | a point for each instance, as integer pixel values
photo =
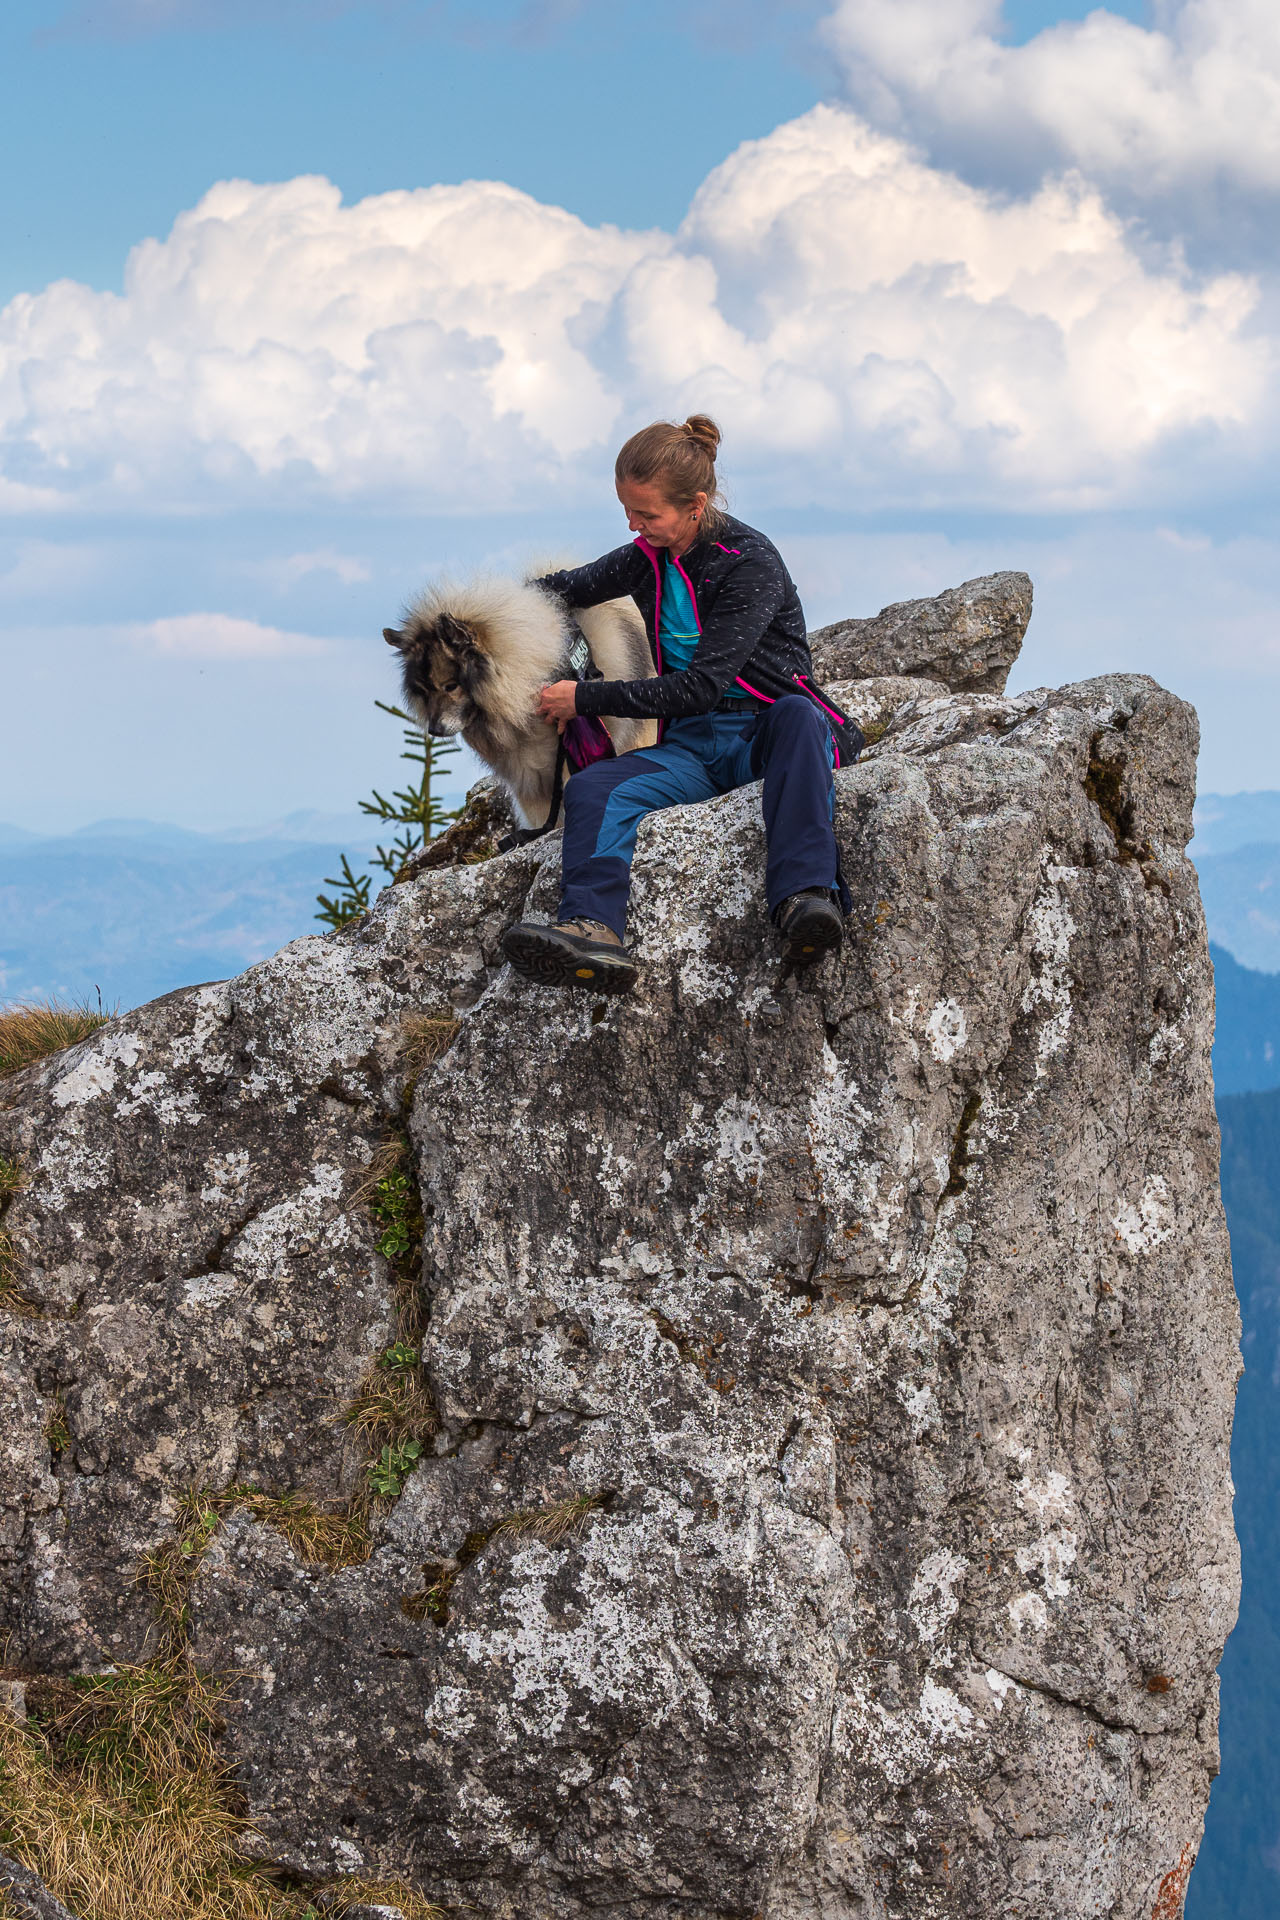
(444, 671)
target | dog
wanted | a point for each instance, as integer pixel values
(474, 655)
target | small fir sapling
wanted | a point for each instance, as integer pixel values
(414, 809)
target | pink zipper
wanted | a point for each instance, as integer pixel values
(768, 699)
(799, 679)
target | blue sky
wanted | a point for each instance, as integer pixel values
(965, 290)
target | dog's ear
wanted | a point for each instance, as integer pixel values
(455, 634)
(394, 638)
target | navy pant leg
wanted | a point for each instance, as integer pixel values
(792, 749)
(603, 808)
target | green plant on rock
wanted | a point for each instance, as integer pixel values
(395, 1205)
(56, 1431)
(388, 1473)
(400, 1354)
(392, 1411)
(414, 808)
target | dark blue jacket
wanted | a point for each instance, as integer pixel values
(750, 623)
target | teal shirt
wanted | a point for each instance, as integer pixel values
(678, 628)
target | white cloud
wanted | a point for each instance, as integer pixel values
(220, 636)
(871, 330)
(293, 567)
(1181, 111)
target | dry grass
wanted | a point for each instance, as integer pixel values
(551, 1525)
(386, 1162)
(391, 1406)
(11, 1296)
(121, 1805)
(34, 1029)
(427, 1036)
(320, 1536)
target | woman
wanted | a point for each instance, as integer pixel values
(734, 701)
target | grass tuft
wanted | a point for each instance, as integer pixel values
(391, 1404)
(11, 1295)
(427, 1036)
(118, 1800)
(552, 1525)
(34, 1029)
(56, 1431)
(392, 1413)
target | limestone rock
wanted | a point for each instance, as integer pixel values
(27, 1895)
(968, 638)
(830, 1511)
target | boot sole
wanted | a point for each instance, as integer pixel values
(552, 960)
(810, 938)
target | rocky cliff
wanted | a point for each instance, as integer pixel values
(822, 1384)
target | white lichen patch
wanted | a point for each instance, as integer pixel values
(95, 1073)
(933, 1600)
(156, 1093)
(943, 1713)
(1028, 1610)
(1001, 1686)
(207, 1289)
(723, 841)
(738, 1144)
(947, 1029)
(944, 1270)
(837, 1118)
(228, 1176)
(1051, 1503)
(297, 1223)
(1050, 928)
(1151, 1222)
(922, 1408)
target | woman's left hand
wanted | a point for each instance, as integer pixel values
(558, 703)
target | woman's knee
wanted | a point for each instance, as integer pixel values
(795, 717)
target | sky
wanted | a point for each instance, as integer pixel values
(304, 301)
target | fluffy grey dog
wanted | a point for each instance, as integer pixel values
(475, 654)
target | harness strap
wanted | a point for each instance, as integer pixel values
(580, 666)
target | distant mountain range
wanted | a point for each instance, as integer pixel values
(133, 908)
(130, 909)
(1237, 1876)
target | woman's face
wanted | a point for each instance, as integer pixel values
(651, 514)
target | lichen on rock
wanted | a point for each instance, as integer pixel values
(829, 1510)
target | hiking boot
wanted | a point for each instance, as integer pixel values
(574, 953)
(811, 924)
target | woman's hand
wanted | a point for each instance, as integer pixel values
(558, 703)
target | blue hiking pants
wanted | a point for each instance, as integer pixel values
(789, 744)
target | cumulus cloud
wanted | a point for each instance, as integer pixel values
(293, 567)
(1181, 118)
(871, 329)
(220, 636)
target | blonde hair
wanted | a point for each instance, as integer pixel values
(681, 459)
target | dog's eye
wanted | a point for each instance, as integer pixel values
(450, 686)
